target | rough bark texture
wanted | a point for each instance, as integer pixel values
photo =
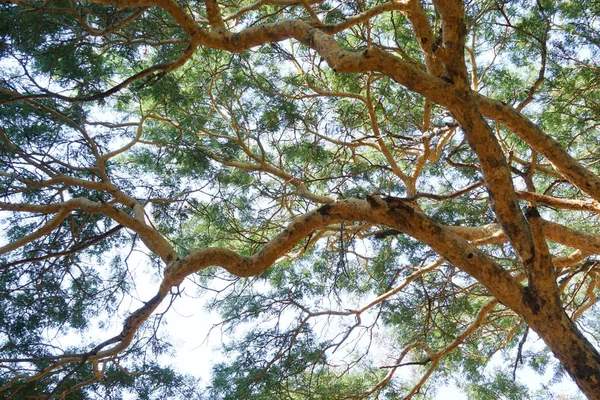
(444, 80)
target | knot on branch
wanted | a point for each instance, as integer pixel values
(532, 212)
(325, 210)
(376, 202)
(399, 202)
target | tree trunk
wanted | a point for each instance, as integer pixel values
(568, 344)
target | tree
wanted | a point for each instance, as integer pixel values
(380, 186)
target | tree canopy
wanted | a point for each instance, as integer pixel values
(377, 196)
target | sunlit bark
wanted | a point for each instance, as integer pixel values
(531, 291)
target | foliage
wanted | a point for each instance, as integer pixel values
(324, 173)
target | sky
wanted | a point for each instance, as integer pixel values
(196, 348)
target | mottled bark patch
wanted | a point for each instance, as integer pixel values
(325, 210)
(532, 212)
(374, 202)
(531, 300)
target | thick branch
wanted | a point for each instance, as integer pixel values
(565, 204)
(398, 215)
(150, 237)
(44, 230)
(530, 133)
